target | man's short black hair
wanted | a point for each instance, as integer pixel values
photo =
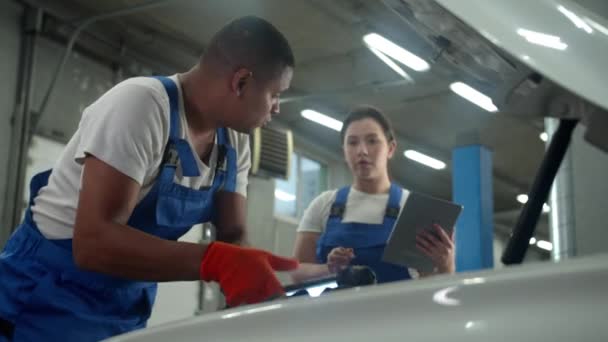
(253, 43)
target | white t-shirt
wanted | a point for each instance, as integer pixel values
(128, 129)
(360, 207)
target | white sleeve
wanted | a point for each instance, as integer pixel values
(126, 129)
(315, 216)
(243, 155)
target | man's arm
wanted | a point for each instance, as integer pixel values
(104, 243)
(230, 222)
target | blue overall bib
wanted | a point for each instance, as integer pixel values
(367, 240)
(46, 297)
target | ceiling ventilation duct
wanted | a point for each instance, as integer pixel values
(271, 152)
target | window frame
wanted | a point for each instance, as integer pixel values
(300, 208)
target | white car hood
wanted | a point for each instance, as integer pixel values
(560, 302)
(559, 38)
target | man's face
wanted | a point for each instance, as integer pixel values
(257, 101)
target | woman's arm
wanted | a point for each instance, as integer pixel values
(305, 251)
(305, 247)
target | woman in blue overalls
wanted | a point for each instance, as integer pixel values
(351, 225)
(102, 282)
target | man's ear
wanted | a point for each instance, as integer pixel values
(239, 81)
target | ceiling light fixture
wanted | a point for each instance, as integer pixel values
(473, 96)
(396, 52)
(424, 159)
(546, 245)
(322, 119)
(391, 64)
(523, 199)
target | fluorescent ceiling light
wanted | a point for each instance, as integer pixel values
(543, 39)
(523, 199)
(532, 241)
(601, 28)
(322, 119)
(391, 64)
(284, 196)
(544, 136)
(575, 19)
(396, 52)
(473, 96)
(424, 159)
(546, 245)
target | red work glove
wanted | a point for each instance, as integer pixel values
(246, 275)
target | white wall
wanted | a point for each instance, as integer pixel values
(81, 83)
(260, 212)
(590, 167)
(10, 17)
(41, 156)
(177, 300)
(277, 234)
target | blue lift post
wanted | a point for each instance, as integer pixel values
(472, 188)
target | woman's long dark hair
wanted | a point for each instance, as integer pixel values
(368, 112)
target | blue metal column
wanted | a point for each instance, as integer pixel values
(472, 188)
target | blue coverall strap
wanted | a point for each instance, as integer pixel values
(186, 158)
(177, 149)
(226, 167)
(173, 94)
(393, 205)
(339, 205)
(222, 136)
(223, 144)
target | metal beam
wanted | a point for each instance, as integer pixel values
(526, 224)
(21, 122)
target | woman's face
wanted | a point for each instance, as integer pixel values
(367, 150)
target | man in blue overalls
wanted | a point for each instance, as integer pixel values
(151, 158)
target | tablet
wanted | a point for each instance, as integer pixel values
(419, 213)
